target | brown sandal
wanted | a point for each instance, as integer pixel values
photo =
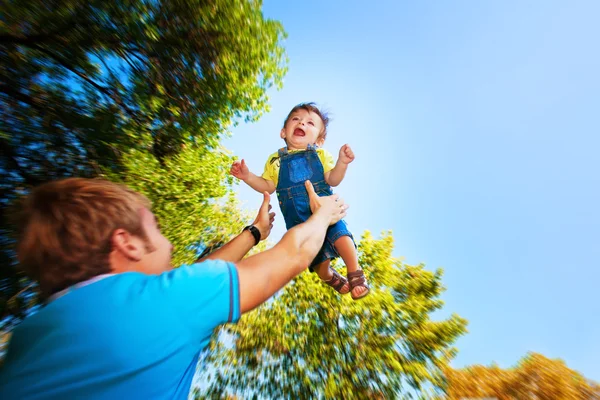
(337, 282)
(357, 279)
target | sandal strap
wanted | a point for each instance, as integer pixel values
(357, 278)
(337, 281)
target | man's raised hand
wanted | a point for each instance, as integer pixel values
(264, 219)
(331, 207)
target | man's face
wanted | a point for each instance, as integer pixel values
(157, 257)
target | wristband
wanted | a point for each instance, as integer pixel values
(254, 231)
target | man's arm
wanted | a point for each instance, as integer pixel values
(239, 246)
(263, 274)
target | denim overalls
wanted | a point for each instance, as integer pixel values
(294, 169)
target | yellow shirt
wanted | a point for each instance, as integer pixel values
(271, 172)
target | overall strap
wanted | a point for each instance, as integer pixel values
(283, 151)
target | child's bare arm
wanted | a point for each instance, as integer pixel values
(260, 184)
(240, 170)
(337, 174)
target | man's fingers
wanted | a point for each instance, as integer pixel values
(265, 204)
(344, 207)
(309, 188)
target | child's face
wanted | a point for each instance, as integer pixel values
(302, 128)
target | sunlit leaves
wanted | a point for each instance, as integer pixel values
(310, 342)
(535, 377)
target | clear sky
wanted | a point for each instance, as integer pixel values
(476, 127)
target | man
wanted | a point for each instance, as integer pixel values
(118, 321)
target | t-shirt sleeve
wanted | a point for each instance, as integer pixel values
(205, 295)
(271, 171)
(326, 159)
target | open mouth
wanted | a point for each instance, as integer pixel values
(299, 132)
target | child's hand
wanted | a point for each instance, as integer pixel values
(240, 170)
(346, 154)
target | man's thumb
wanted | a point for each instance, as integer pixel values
(309, 188)
(266, 200)
(243, 163)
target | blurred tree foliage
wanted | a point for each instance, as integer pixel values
(312, 343)
(535, 377)
(138, 91)
(141, 92)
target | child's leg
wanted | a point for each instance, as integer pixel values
(323, 270)
(345, 247)
(326, 274)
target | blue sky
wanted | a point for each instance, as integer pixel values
(476, 130)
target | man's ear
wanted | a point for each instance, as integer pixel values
(320, 141)
(128, 245)
(282, 133)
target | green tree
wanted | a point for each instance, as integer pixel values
(191, 197)
(132, 90)
(535, 377)
(311, 343)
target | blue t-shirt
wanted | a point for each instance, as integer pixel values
(127, 336)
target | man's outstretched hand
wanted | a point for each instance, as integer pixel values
(264, 219)
(331, 207)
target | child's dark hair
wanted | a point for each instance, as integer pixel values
(312, 107)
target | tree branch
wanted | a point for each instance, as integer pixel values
(104, 90)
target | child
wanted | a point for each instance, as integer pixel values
(304, 131)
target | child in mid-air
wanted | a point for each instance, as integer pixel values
(304, 131)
